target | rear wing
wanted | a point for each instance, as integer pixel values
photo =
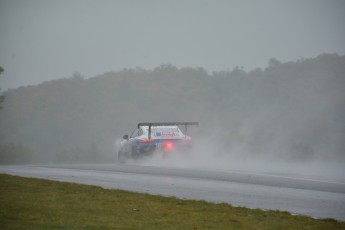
(150, 124)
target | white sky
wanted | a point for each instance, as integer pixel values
(42, 40)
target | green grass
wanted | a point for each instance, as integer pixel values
(42, 204)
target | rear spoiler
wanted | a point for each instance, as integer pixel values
(150, 124)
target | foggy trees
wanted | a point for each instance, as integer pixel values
(13, 153)
(288, 111)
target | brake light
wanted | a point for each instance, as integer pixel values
(147, 141)
(169, 145)
(186, 139)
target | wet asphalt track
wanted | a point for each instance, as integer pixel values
(296, 194)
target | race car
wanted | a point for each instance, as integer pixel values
(149, 138)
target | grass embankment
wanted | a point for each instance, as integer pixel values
(42, 204)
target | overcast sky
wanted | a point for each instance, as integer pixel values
(42, 40)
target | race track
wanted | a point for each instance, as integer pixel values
(296, 194)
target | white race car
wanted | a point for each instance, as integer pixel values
(147, 138)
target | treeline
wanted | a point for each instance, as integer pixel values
(14, 153)
(287, 111)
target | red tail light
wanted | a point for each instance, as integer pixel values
(186, 139)
(169, 145)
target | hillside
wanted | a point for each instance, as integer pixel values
(289, 111)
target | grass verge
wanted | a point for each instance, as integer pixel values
(27, 203)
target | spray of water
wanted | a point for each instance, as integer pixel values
(208, 155)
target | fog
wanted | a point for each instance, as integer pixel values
(274, 155)
(207, 155)
(207, 159)
(265, 81)
(43, 40)
(287, 112)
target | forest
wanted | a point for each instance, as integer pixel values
(288, 111)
